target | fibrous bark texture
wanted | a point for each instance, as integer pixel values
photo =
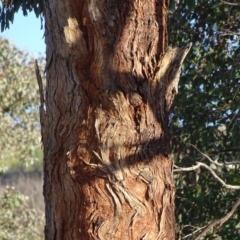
(110, 85)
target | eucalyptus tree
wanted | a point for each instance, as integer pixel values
(19, 117)
(104, 118)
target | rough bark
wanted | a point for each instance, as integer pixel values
(110, 84)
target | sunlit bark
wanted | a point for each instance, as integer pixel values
(110, 84)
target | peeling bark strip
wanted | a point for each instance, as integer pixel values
(110, 85)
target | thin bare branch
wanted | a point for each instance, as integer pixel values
(206, 156)
(198, 165)
(186, 169)
(215, 162)
(219, 222)
(226, 150)
(190, 234)
(231, 4)
(40, 83)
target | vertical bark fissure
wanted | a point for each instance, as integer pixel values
(108, 174)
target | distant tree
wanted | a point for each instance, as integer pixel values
(19, 117)
(20, 139)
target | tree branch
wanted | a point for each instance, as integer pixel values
(226, 150)
(40, 83)
(215, 162)
(190, 234)
(198, 165)
(231, 4)
(219, 221)
(206, 156)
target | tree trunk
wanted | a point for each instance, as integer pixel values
(110, 84)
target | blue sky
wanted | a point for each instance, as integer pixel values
(26, 33)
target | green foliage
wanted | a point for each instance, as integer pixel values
(17, 220)
(9, 7)
(19, 117)
(206, 114)
(20, 139)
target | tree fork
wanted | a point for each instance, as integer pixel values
(110, 85)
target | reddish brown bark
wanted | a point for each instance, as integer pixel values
(110, 84)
